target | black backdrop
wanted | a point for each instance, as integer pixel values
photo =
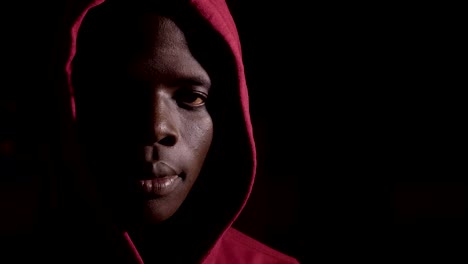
(357, 119)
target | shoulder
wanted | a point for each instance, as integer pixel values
(248, 250)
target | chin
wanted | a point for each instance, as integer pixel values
(156, 211)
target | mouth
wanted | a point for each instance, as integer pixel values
(159, 186)
(163, 181)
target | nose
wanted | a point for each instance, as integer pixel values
(165, 130)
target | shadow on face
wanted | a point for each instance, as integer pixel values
(141, 107)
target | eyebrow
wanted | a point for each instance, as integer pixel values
(172, 79)
(191, 80)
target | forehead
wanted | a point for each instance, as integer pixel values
(161, 50)
(160, 31)
(149, 33)
(109, 40)
(151, 47)
(145, 34)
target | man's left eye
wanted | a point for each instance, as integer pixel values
(192, 98)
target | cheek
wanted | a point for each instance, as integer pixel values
(198, 137)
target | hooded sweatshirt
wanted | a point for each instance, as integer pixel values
(202, 228)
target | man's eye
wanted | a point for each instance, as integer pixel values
(192, 98)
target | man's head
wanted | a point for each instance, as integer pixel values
(141, 109)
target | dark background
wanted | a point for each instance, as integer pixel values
(358, 120)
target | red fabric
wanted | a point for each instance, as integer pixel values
(231, 246)
(236, 247)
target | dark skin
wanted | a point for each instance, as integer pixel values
(157, 113)
(182, 129)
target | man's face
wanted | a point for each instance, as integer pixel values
(152, 130)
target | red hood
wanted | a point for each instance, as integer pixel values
(241, 158)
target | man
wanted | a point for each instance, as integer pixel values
(160, 104)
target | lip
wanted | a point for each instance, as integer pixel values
(161, 181)
(160, 186)
(161, 169)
